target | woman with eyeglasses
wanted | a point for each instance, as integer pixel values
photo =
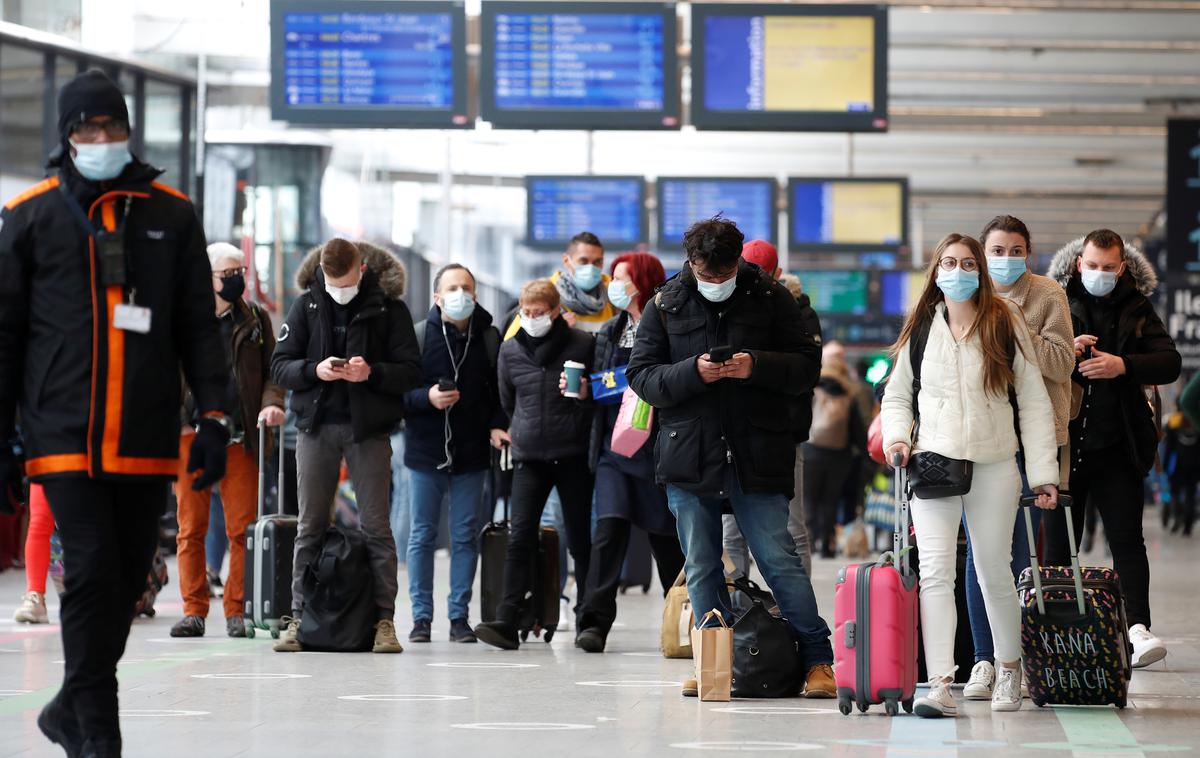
(976, 365)
(1043, 304)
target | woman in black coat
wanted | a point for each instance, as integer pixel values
(626, 493)
(550, 435)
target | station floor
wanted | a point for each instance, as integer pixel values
(220, 697)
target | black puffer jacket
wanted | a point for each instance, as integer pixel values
(545, 425)
(750, 423)
(381, 331)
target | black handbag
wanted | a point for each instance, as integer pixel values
(766, 654)
(931, 476)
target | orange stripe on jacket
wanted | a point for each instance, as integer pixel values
(34, 191)
(56, 464)
(170, 191)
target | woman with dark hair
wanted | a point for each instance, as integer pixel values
(976, 349)
(626, 494)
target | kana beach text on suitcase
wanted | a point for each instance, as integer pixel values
(875, 623)
(270, 546)
(1074, 633)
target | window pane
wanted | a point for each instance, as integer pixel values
(21, 154)
(163, 132)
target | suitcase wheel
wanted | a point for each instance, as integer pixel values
(844, 705)
(908, 705)
(250, 631)
(1120, 702)
(550, 635)
(891, 706)
(645, 589)
(862, 707)
(274, 634)
(525, 635)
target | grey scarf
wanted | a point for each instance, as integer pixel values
(576, 300)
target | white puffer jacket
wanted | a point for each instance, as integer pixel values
(959, 419)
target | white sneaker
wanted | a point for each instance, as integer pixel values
(1007, 696)
(32, 609)
(979, 686)
(1147, 648)
(565, 616)
(939, 702)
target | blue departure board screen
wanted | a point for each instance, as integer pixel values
(858, 215)
(750, 203)
(340, 62)
(579, 64)
(611, 207)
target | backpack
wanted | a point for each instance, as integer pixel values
(830, 428)
(339, 593)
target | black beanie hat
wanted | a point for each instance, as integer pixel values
(88, 95)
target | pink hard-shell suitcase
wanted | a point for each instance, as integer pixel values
(875, 624)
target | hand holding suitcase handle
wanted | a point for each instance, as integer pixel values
(1065, 501)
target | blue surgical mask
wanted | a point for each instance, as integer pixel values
(1099, 283)
(958, 285)
(717, 293)
(458, 305)
(586, 277)
(102, 161)
(1005, 270)
(617, 294)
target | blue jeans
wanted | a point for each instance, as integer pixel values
(429, 489)
(399, 518)
(981, 630)
(215, 542)
(763, 520)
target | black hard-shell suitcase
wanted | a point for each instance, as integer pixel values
(270, 545)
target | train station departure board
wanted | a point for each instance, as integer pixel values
(611, 207)
(369, 63)
(682, 201)
(579, 65)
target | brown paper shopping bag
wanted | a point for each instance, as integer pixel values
(712, 650)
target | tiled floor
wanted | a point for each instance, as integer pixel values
(220, 697)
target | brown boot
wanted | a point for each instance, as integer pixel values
(820, 682)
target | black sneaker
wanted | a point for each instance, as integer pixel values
(591, 640)
(101, 748)
(498, 634)
(189, 626)
(460, 631)
(420, 631)
(60, 726)
(235, 626)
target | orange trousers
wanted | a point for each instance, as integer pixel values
(239, 496)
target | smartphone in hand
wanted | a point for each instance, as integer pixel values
(338, 362)
(447, 385)
(720, 354)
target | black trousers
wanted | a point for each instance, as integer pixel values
(825, 473)
(532, 482)
(108, 532)
(1183, 501)
(609, 547)
(1107, 480)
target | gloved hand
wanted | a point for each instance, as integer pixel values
(208, 453)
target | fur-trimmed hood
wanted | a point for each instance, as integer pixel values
(386, 266)
(1062, 266)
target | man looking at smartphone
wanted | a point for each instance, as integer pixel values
(451, 416)
(349, 354)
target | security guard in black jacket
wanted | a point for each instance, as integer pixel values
(104, 295)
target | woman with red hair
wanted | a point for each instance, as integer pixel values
(626, 494)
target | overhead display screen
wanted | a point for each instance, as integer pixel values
(682, 201)
(611, 207)
(899, 291)
(789, 68)
(579, 65)
(847, 215)
(836, 292)
(368, 63)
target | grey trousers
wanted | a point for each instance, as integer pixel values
(735, 543)
(318, 458)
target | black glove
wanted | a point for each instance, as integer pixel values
(208, 453)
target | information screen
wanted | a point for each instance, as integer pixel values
(611, 207)
(848, 215)
(750, 203)
(836, 292)
(581, 65)
(790, 68)
(899, 291)
(368, 63)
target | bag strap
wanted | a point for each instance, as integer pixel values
(719, 616)
(419, 330)
(916, 356)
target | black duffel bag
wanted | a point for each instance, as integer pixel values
(766, 654)
(339, 596)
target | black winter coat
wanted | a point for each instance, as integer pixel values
(472, 418)
(381, 331)
(96, 400)
(545, 425)
(748, 424)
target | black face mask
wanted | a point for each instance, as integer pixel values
(232, 288)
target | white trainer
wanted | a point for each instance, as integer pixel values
(32, 609)
(979, 686)
(939, 702)
(1147, 648)
(1007, 695)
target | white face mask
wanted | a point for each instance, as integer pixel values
(1098, 283)
(717, 292)
(342, 295)
(537, 327)
(101, 161)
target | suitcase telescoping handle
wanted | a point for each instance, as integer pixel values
(900, 534)
(262, 469)
(1064, 501)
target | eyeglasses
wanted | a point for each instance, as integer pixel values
(966, 264)
(230, 272)
(90, 132)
